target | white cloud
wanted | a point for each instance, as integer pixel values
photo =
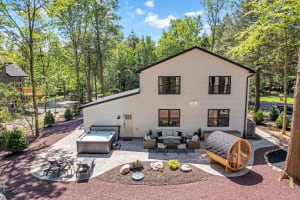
(206, 29)
(153, 20)
(149, 3)
(139, 11)
(194, 14)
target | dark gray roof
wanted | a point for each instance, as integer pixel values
(14, 70)
(113, 97)
(220, 143)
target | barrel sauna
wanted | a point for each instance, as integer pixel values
(231, 151)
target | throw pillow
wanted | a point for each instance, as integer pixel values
(179, 133)
(175, 133)
(193, 138)
(169, 133)
(159, 133)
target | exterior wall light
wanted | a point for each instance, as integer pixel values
(194, 102)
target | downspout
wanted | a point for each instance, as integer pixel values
(246, 104)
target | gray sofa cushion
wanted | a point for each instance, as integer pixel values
(169, 137)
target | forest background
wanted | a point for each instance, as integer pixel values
(76, 48)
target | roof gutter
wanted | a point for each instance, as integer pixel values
(246, 105)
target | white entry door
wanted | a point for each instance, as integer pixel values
(128, 125)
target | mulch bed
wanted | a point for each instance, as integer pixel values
(155, 178)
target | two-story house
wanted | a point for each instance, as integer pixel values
(190, 90)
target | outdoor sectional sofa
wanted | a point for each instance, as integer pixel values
(169, 134)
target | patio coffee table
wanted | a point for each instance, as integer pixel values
(171, 142)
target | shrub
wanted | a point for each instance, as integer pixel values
(258, 117)
(173, 164)
(2, 138)
(75, 109)
(15, 141)
(68, 114)
(273, 114)
(279, 121)
(49, 119)
(137, 165)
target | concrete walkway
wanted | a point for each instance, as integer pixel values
(133, 150)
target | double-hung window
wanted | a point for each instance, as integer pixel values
(218, 118)
(169, 84)
(169, 117)
(219, 85)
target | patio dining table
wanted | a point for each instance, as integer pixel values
(56, 164)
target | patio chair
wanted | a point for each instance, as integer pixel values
(85, 166)
(54, 167)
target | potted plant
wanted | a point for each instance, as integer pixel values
(137, 165)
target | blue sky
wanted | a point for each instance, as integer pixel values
(150, 17)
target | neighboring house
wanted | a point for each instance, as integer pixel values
(190, 90)
(12, 75)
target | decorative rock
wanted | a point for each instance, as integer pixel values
(125, 169)
(2, 197)
(186, 168)
(137, 176)
(156, 165)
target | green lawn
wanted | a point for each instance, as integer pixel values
(276, 99)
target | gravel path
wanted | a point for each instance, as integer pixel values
(260, 183)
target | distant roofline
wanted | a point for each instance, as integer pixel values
(201, 49)
(11, 69)
(112, 97)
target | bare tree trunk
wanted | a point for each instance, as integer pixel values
(102, 74)
(257, 90)
(292, 167)
(95, 80)
(77, 60)
(89, 86)
(285, 84)
(31, 20)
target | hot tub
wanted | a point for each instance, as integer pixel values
(95, 142)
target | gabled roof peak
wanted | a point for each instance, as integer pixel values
(200, 49)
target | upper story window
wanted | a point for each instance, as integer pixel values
(169, 84)
(219, 84)
(169, 117)
(218, 117)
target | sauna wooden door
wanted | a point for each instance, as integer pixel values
(128, 125)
